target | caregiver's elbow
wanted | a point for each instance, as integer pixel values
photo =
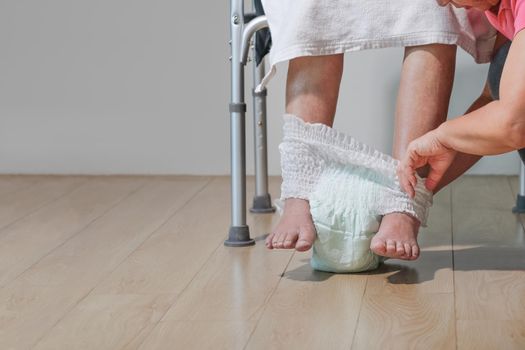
(514, 132)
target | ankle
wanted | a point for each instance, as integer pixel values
(296, 205)
(398, 216)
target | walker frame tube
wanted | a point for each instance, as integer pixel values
(240, 36)
(239, 233)
(262, 201)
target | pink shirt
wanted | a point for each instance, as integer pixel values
(510, 18)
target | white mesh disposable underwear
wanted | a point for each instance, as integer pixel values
(349, 186)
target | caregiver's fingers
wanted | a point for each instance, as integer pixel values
(407, 179)
(412, 179)
(438, 167)
(433, 179)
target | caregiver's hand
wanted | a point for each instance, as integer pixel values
(427, 149)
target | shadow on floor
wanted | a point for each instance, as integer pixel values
(488, 258)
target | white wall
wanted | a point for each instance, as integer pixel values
(114, 86)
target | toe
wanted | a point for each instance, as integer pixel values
(268, 241)
(303, 245)
(305, 239)
(415, 251)
(289, 240)
(278, 240)
(400, 249)
(408, 251)
(390, 247)
(378, 246)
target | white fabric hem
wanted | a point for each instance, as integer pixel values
(481, 51)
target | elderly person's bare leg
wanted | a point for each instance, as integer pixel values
(422, 105)
(463, 161)
(312, 89)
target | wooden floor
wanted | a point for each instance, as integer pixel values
(139, 263)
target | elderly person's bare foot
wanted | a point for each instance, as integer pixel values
(397, 237)
(295, 229)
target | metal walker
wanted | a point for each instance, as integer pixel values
(242, 29)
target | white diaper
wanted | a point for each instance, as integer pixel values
(350, 186)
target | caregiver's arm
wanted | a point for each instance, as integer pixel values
(498, 127)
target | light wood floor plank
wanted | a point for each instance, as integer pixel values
(217, 335)
(490, 192)
(170, 258)
(231, 288)
(310, 310)
(107, 322)
(431, 273)
(17, 204)
(139, 262)
(410, 304)
(486, 227)
(489, 265)
(12, 183)
(41, 296)
(514, 182)
(490, 335)
(160, 266)
(491, 295)
(235, 282)
(406, 321)
(31, 238)
(489, 256)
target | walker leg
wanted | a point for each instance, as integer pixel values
(262, 202)
(239, 233)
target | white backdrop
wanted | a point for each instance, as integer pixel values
(142, 87)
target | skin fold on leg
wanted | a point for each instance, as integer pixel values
(312, 90)
(422, 104)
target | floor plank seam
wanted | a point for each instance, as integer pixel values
(102, 214)
(359, 314)
(7, 226)
(269, 299)
(153, 326)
